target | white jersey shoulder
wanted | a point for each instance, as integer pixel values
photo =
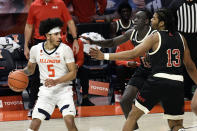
(52, 63)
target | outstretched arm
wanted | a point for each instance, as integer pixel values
(111, 42)
(150, 42)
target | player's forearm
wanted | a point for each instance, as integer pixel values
(104, 43)
(28, 71)
(114, 41)
(72, 28)
(68, 77)
(192, 71)
(28, 33)
(125, 55)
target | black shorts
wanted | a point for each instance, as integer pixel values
(169, 92)
(140, 75)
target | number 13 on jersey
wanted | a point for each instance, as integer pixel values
(51, 70)
(176, 54)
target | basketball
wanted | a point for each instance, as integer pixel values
(18, 81)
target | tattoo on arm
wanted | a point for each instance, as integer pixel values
(26, 71)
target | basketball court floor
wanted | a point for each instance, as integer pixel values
(95, 118)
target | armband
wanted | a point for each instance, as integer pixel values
(106, 56)
(75, 38)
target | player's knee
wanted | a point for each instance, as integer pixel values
(176, 125)
(69, 120)
(194, 107)
(35, 124)
(135, 113)
(123, 101)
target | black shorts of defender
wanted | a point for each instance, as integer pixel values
(169, 92)
(140, 75)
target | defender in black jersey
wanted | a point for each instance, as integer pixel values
(123, 24)
(137, 35)
(168, 51)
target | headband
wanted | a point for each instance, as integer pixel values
(54, 30)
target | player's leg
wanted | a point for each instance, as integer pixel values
(127, 99)
(35, 125)
(67, 108)
(135, 83)
(175, 125)
(146, 98)
(42, 111)
(194, 101)
(70, 123)
(131, 121)
(173, 103)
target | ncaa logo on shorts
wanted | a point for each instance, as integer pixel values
(1, 104)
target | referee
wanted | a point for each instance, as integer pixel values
(186, 14)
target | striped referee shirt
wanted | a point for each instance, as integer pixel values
(187, 17)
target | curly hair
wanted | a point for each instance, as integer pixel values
(124, 5)
(48, 24)
(168, 18)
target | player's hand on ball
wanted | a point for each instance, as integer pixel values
(96, 53)
(50, 82)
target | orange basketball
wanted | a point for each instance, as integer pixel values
(18, 81)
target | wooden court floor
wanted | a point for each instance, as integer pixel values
(96, 118)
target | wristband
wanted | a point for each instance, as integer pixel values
(75, 38)
(106, 56)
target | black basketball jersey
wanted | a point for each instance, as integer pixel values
(168, 57)
(134, 35)
(121, 29)
(136, 42)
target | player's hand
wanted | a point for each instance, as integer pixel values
(76, 67)
(88, 40)
(26, 52)
(50, 82)
(133, 64)
(75, 46)
(145, 62)
(96, 53)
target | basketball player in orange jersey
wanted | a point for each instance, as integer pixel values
(57, 70)
(168, 52)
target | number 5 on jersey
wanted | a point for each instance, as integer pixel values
(51, 70)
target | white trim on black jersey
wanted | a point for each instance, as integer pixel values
(124, 27)
(182, 41)
(159, 45)
(144, 36)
